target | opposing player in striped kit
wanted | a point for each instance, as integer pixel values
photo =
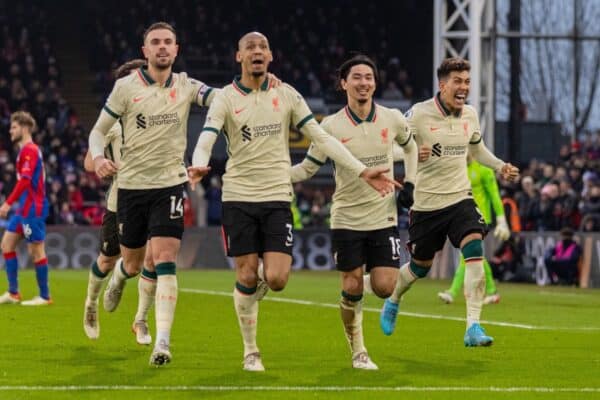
(29, 219)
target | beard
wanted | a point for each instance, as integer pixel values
(363, 101)
(258, 74)
(163, 65)
(16, 139)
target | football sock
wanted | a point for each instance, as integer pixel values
(351, 313)
(408, 273)
(146, 294)
(166, 300)
(12, 271)
(95, 279)
(41, 274)
(246, 308)
(474, 280)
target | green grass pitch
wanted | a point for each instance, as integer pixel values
(548, 347)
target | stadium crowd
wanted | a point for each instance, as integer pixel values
(30, 79)
(308, 43)
(550, 195)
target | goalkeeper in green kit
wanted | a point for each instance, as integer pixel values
(486, 196)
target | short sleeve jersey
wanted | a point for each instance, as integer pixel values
(112, 151)
(442, 180)
(356, 205)
(154, 120)
(256, 125)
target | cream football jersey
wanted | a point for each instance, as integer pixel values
(154, 120)
(356, 205)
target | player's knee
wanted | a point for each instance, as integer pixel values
(132, 267)
(277, 283)
(247, 277)
(105, 263)
(383, 291)
(472, 249)
(383, 288)
(353, 283)
(6, 248)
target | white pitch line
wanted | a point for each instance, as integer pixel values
(407, 314)
(74, 388)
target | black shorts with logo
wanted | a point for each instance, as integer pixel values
(109, 235)
(257, 227)
(428, 230)
(145, 213)
(353, 249)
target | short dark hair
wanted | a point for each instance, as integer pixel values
(452, 64)
(23, 118)
(566, 232)
(160, 25)
(126, 68)
(344, 69)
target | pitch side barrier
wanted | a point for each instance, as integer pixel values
(77, 247)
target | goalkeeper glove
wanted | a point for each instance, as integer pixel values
(501, 232)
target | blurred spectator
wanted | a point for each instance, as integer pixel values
(507, 258)
(306, 38)
(567, 204)
(590, 205)
(525, 201)
(542, 212)
(214, 203)
(562, 260)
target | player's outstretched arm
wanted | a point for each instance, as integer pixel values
(509, 172)
(377, 178)
(201, 157)
(304, 170)
(313, 160)
(485, 157)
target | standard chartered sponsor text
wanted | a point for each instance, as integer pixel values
(372, 161)
(163, 119)
(267, 130)
(457, 150)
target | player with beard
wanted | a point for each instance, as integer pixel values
(29, 220)
(444, 205)
(109, 249)
(153, 106)
(257, 190)
(364, 225)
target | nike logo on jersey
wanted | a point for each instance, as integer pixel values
(239, 111)
(138, 99)
(434, 128)
(345, 140)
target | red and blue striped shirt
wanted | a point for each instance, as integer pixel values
(30, 190)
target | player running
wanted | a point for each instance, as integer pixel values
(363, 224)
(153, 105)
(486, 196)
(257, 190)
(29, 220)
(444, 206)
(109, 248)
